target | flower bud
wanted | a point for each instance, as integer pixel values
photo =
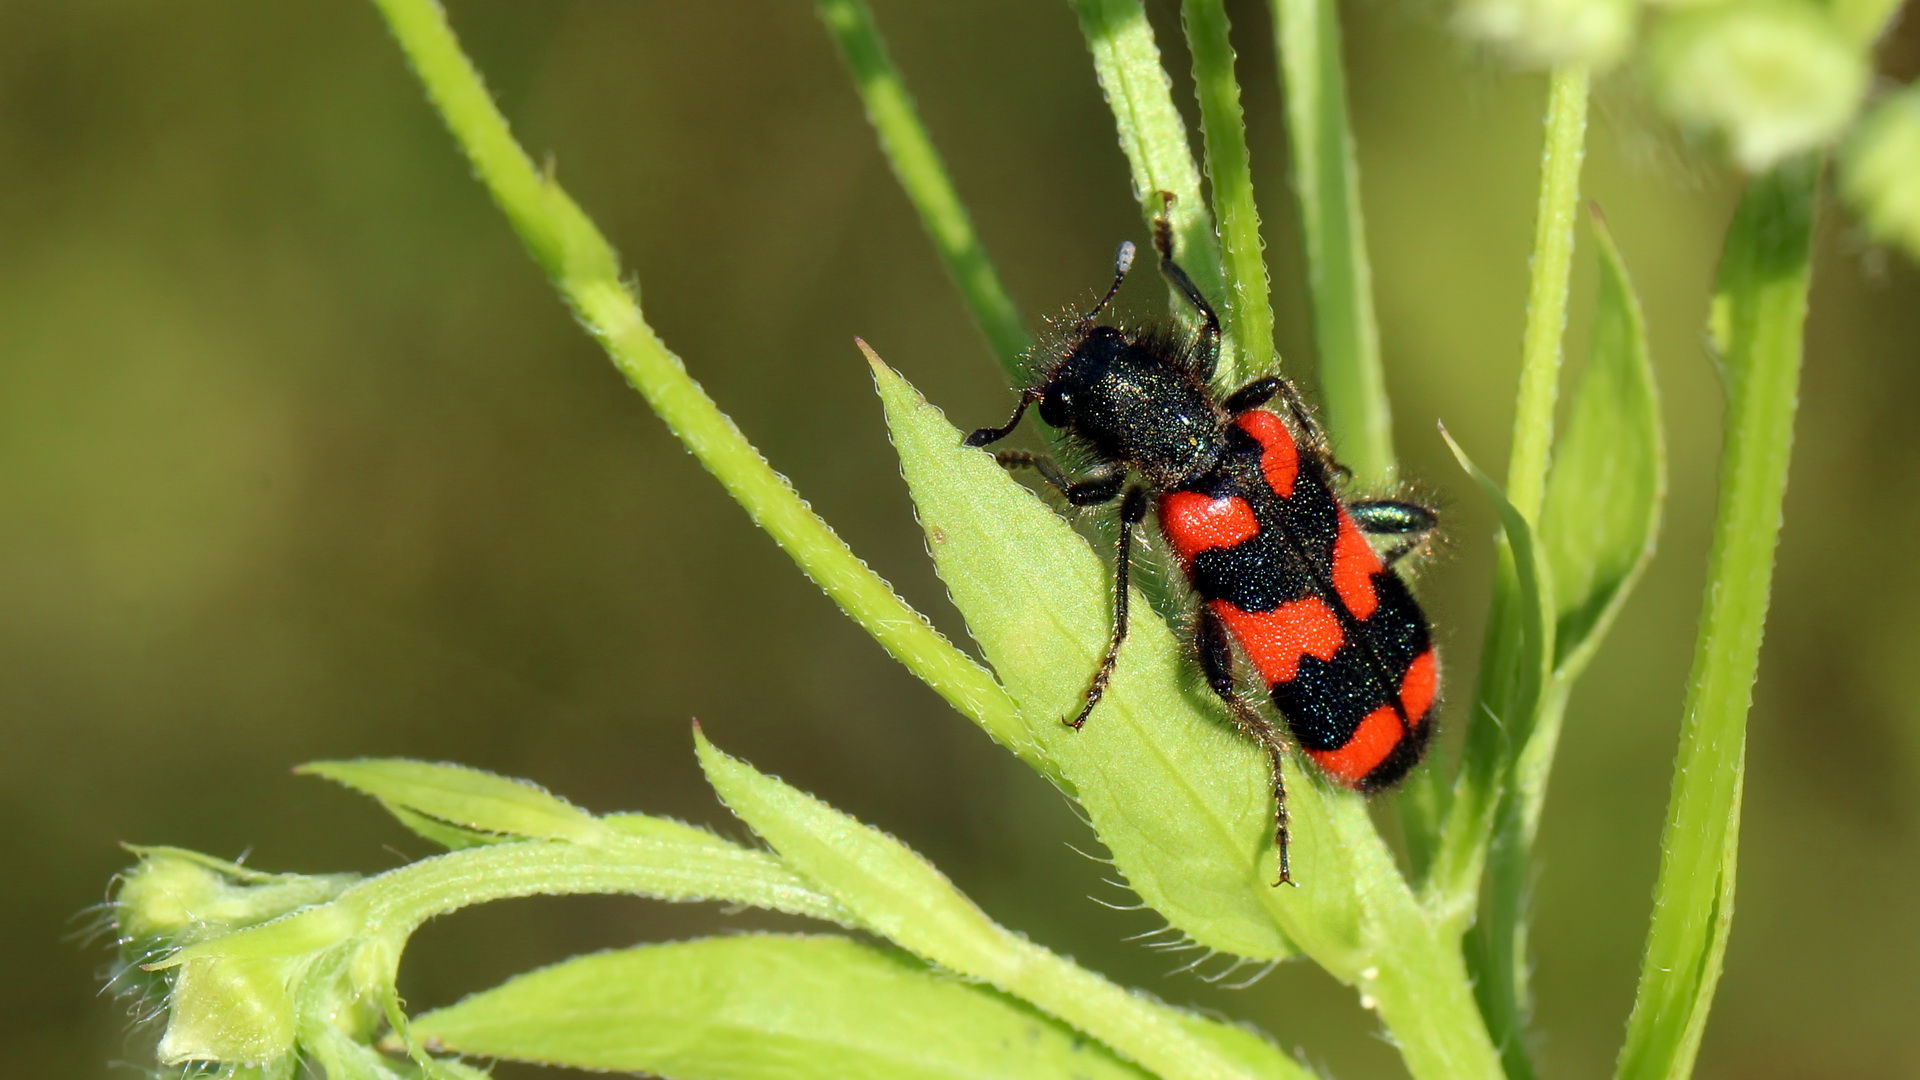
(1550, 33)
(1773, 78)
(195, 929)
(174, 898)
(1880, 170)
(232, 1009)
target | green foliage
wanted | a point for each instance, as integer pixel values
(916, 163)
(764, 1007)
(265, 974)
(1604, 492)
(1878, 169)
(1230, 182)
(1180, 801)
(1758, 323)
(1326, 177)
(1126, 59)
(1764, 79)
(1772, 79)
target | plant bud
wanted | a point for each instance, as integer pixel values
(1550, 33)
(1772, 78)
(1880, 170)
(174, 898)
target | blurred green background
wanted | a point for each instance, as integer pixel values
(301, 458)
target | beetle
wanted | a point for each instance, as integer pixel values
(1246, 499)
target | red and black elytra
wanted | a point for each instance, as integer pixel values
(1246, 501)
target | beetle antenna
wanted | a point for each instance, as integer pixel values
(1122, 262)
(985, 435)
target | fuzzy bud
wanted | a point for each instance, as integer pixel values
(1551, 33)
(1772, 78)
(1880, 170)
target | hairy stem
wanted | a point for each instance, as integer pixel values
(1759, 314)
(1326, 175)
(904, 140)
(1126, 60)
(1505, 695)
(586, 271)
(1231, 177)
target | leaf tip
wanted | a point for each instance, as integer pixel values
(704, 749)
(873, 358)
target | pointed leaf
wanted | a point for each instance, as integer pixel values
(1758, 324)
(451, 837)
(1326, 177)
(894, 892)
(1536, 587)
(1182, 802)
(765, 1008)
(1153, 136)
(1608, 479)
(475, 802)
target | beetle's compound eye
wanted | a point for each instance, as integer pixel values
(1056, 406)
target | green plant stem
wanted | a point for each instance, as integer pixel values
(1759, 315)
(1547, 290)
(894, 892)
(1422, 991)
(585, 269)
(1153, 137)
(1326, 174)
(1522, 700)
(904, 140)
(1230, 176)
(394, 904)
(400, 900)
(1506, 693)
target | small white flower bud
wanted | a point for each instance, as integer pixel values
(1880, 170)
(1551, 33)
(1771, 78)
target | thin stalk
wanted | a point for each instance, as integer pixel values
(1525, 700)
(586, 271)
(917, 165)
(1153, 137)
(400, 900)
(1759, 315)
(1326, 174)
(1548, 286)
(1422, 991)
(1506, 702)
(1230, 177)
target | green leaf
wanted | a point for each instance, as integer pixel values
(1759, 317)
(1609, 476)
(480, 806)
(916, 164)
(175, 897)
(1507, 692)
(586, 272)
(1536, 587)
(1326, 175)
(1182, 802)
(451, 837)
(1126, 59)
(895, 893)
(1598, 522)
(1230, 180)
(1514, 673)
(765, 1008)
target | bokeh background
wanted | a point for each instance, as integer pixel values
(299, 458)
